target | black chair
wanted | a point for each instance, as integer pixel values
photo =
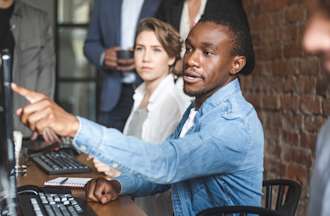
(237, 210)
(282, 195)
(281, 199)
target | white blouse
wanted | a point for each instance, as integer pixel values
(165, 109)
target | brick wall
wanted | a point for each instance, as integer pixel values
(287, 90)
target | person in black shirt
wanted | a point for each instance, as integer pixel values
(6, 35)
(26, 33)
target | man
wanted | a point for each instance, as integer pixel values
(26, 33)
(215, 156)
(112, 28)
(317, 40)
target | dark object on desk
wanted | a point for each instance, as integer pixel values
(59, 163)
(38, 145)
(286, 193)
(125, 54)
(35, 200)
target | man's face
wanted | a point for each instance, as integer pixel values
(317, 35)
(208, 59)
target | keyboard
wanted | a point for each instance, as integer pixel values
(37, 201)
(54, 163)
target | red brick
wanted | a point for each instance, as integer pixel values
(293, 123)
(270, 102)
(311, 104)
(290, 103)
(292, 50)
(308, 141)
(326, 106)
(297, 172)
(306, 85)
(309, 66)
(295, 13)
(313, 123)
(290, 138)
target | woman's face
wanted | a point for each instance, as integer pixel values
(151, 60)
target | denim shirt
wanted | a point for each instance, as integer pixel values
(218, 162)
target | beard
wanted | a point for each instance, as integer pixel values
(200, 92)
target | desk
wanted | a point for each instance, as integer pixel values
(123, 206)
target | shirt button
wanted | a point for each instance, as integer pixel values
(83, 148)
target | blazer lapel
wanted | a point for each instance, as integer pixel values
(114, 18)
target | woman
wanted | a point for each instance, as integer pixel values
(158, 106)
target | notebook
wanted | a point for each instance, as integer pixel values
(68, 182)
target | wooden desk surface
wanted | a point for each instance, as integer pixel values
(123, 206)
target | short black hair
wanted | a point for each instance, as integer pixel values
(232, 15)
(325, 4)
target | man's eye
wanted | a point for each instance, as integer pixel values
(208, 53)
(138, 48)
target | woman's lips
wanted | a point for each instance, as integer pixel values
(146, 68)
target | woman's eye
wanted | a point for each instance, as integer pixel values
(157, 50)
(138, 48)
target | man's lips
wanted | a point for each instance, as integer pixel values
(191, 76)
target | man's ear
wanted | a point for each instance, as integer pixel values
(238, 64)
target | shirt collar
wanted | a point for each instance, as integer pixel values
(220, 95)
(158, 93)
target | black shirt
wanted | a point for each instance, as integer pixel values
(7, 40)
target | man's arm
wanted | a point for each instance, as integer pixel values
(136, 185)
(174, 160)
(220, 146)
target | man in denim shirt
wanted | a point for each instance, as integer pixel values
(215, 158)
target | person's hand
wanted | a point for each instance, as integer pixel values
(107, 170)
(110, 58)
(44, 113)
(48, 135)
(125, 64)
(102, 190)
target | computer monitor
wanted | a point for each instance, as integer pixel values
(7, 149)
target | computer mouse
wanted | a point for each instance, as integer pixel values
(28, 189)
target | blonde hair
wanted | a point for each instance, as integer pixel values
(167, 36)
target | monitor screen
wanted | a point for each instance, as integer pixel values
(7, 153)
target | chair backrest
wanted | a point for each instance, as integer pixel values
(237, 211)
(282, 195)
(281, 199)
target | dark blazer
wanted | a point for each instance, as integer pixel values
(170, 10)
(104, 32)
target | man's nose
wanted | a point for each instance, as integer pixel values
(193, 58)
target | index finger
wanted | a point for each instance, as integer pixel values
(30, 95)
